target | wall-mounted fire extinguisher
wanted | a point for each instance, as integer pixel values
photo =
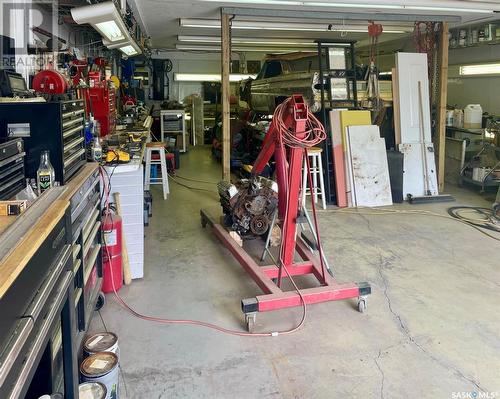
(112, 251)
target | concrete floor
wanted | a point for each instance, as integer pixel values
(431, 330)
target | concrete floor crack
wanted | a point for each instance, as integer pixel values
(404, 329)
(376, 359)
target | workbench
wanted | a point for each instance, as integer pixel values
(39, 330)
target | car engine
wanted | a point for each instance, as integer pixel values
(249, 204)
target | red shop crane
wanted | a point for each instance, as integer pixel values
(293, 130)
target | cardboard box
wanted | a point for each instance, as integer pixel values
(11, 208)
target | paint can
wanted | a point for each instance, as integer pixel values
(102, 367)
(101, 342)
(92, 390)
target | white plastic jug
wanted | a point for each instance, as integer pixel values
(473, 116)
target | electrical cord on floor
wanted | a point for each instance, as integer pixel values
(195, 180)
(198, 323)
(173, 178)
(382, 211)
(488, 220)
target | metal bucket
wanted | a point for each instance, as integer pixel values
(101, 342)
(102, 367)
(92, 390)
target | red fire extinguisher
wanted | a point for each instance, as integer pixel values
(112, 252)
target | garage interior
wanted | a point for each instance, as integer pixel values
(273, 198)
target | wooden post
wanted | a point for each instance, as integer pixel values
(226, 111)
(442, 100)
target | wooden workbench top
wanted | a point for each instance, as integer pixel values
(16, 260)
(74, 185)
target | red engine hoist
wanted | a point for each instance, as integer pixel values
(292, 131)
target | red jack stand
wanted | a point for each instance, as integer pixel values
(289, 159)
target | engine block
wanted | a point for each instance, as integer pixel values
(249, 204)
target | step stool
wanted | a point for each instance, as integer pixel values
(156, 148)
(316, 165)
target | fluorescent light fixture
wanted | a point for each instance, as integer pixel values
(105, 18)
(128, 50)
(242, 40)
(285, 26)
(209, 77)
(480, 69)
(385, 73)
(128, 47)
(449, 9)
(451, 6)
(273, 50)
(110, 30)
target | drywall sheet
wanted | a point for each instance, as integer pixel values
(413, 95)
(416, 181)
(370, 172)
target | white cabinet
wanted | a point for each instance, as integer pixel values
(128, 180)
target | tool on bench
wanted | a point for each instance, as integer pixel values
(293, 130)
(117, 156)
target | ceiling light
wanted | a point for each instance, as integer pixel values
(128, 50)
(285, 26)
(129, 47)
(209, 77)
(241, 40)
(105, 18)
(445, 5)
(480, 69)
(449, 9)
(275, 50)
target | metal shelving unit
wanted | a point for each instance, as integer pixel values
(173, 123)
(338, 86)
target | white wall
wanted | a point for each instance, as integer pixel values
(474, 90)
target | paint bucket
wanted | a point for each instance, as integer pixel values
(102, 367)
(101, 342)
(91, 390)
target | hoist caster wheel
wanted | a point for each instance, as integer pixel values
(250, 321)
(101, 300)
(362, 305)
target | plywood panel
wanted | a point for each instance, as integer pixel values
(370, 172)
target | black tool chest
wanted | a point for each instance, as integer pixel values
(36, 322)
(54, 126)
(12, 178)
(47, 309)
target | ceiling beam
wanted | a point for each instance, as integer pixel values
(321, 15)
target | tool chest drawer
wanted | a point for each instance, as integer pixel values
(84, 222)
(12, 178)
(16, 300)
